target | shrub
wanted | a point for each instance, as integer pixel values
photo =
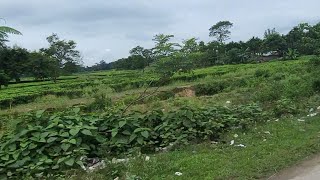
(284, 107)
(55, 142)
(210, 89)
(315, 62)
(262, 73)
(316, 85)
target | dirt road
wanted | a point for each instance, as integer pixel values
(306, 170)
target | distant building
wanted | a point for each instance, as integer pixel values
(269, 56)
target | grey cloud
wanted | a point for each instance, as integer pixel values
(97, 25)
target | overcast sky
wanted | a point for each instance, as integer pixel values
(108, 29)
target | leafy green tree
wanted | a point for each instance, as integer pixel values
(4, 79)
(64, 52)
(43, 66)
(275, 42)
(13, 61)
(163, 46)
(291, 54)
(270, 32)
(190, 46)
(254, 46)
(221, 31)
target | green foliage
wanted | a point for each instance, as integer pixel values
(221, 30)
(48, 143)
(291, 54)
(316, 85)
(52, 142)
(210, 89)
(4, 79)
(284, 107)
(262, 73)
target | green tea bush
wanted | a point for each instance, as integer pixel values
(315, 62)
(262, 73)
(210, 89)
(316, 85)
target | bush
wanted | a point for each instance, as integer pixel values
(316, 85)
(284, 107)
(262, 73)
(315, 61)
(55, 142)
(209, 89)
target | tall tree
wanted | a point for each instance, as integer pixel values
(190, 46)
(63, 51)
(13, 61)
(221, 31)
(163, 45)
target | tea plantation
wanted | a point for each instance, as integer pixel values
(241, 121)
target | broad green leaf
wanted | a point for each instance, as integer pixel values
(44, 135)
(145, 134)
(86, 132)
(51, 139)
(132, 137)
(39, 113)
(70, 161)
(64, 134)
(73, 141)
(80, 163)
(32, 146)
(140, 140)
(65, 146)
(114, 132)
(55, 167)
(122, 123)
(61, 160)
(126, 132)
(16, 155)
(74, 131)
(76, 110)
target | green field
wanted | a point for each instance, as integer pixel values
(261, 103)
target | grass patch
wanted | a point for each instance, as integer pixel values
(265, 154)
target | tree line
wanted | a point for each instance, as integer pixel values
(303, 39)
(61, 57)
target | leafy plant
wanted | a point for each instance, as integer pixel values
(48, 143)
(291, 54)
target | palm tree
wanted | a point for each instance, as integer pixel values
(5, 31)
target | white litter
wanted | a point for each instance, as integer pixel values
(178, 174)
(147, 158)
(267, 132)
(312, 115)
(240, 145)
(318, 108)
(232, 143)
(311, 110)
(228, 102)
(276, 120)
(97, 166)
(116, 161)
(236, 135)
(301, 120)
(264, 140)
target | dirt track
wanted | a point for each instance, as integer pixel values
(306, 170)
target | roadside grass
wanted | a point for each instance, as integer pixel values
(270, 147)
